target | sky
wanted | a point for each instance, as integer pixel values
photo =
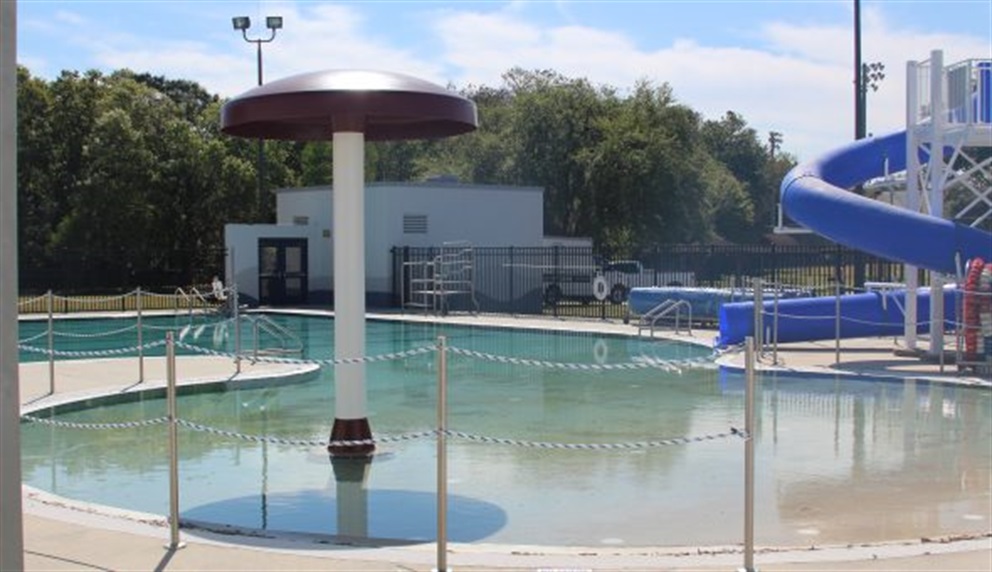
(784, 66)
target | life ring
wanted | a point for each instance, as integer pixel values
(972, 308)
(600, 289)
(600, 351)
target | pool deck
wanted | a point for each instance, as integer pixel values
(66, 535)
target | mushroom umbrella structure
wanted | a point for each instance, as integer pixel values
(349, 107)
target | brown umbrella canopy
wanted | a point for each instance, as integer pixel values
(382, 105)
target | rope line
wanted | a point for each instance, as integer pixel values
(84, 301)
(402, 437)
(642, 363)
(30, 301)
(304, 442)
(90, 353)
(33, 338)
(77, 425)
(597, 446)
(96, 335)
(323, 362)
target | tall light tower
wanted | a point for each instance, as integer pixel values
(273, 23)
(865, 76)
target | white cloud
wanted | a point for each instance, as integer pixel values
(801, 84)
(799, 81)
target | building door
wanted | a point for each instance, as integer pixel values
(282, 271)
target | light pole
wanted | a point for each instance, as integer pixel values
(865, 76)
(273, 23)
(871, 75)
(774, 142)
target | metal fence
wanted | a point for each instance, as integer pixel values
(557, 280)
(561, 281)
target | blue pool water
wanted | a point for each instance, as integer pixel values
(839, 460)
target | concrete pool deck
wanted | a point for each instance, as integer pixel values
(66, 535)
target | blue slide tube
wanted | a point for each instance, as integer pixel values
(814, 195)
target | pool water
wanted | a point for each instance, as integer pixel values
(838, 460)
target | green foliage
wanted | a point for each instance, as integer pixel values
(130, 169)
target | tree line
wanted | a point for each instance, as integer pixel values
(130, 171)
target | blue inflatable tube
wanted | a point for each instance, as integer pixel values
(705, 302)
(807, 319)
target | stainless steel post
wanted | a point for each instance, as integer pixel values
(237, 323)
(141, 350)
(254, 332)
(51, 346)
(170, 376)
(442, 454)
(778, 292)
(749, 455)
(837, 323)
(759, 311)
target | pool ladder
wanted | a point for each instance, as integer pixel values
(287, 343)
(671, 309)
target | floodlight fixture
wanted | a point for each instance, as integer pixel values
(273, 23)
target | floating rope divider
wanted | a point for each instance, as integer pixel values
(170, 376)
(51, 346)
(141, 350)
(442, 454)
(749, 456)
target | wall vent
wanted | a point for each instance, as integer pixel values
(414, 224)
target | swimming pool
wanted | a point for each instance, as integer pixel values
(839, 460)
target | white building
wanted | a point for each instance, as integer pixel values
(291, 262)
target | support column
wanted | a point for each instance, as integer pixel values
(910, 272)
(11, 517)
(348, 234)
(936, 177)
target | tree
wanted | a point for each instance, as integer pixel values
(555, 119)
(36, 201)
(737, 146)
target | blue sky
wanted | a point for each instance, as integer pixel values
(786, 66)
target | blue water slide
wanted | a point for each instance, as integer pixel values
(814, 195)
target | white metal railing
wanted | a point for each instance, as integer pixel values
(288, 342)
(431, 283)
(967, 87)
(652, 317)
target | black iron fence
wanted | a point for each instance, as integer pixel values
(557, 280)
(562, 281)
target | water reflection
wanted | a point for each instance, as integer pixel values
(876, 460)
(838, 459)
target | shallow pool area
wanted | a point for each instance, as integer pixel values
(838, 459)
